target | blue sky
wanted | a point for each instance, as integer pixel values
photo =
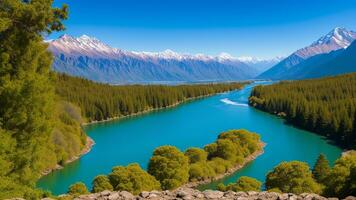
(262, 28)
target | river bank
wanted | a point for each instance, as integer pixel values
(88, 145)
(191, 125)
(154, 109)
(232, 170)
(90, 142)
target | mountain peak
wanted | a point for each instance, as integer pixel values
(339, 36)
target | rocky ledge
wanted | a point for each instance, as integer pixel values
(188, 193)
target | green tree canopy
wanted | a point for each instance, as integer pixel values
(321, 169)
(101, 183)
(341, 180)
(133, 179)
(294, 177)
(196, 155)
(26, 91)
(245, 183)
(200, 171)
(170, 166)
(77, 189)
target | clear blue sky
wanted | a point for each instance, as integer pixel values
(262, 28)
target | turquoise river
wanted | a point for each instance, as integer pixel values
(192, 124)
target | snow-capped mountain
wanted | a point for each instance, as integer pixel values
(338, 38)
(88, 57)
(260, 64)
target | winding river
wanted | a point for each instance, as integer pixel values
(192, 124)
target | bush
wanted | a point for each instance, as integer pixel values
(101, 183)
(200, 171)
(245, 183)
(77, 189)
(196, 155)
(292, 177)
(220, 165)
(226, 150)
(170, 166)
(247, 142)
(132, 179)
(221, 187)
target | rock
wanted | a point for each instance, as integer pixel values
(144, 194)
(210, 194)
(193, 194)
(152, 196)
(114, 196)
(350, 198)
(182, 193)
(105, 193)
(241, 194)
(126, 195)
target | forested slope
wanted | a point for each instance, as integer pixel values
(101, 101)
(326, 106)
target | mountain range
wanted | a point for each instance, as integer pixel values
(90, 58)
(330, 55)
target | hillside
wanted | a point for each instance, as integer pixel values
(326, 106)
(298, 64)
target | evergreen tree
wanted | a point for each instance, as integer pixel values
(326, 106)
(26, 91)
(321, 169)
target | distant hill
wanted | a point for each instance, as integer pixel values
(304, 62)
(90, 58)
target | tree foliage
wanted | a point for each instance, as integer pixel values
(170, 166)
(292, 177)
(244, 183)
(116, 101)
(101, 183)
(196, 155)
(321, 169)
(77, 189)
(26, 92)
(133, 179)
(326, 106)
(341, 180)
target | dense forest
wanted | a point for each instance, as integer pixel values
(326, 106)
(101, 101)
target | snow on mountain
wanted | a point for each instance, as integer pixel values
(93, 59)
(336, 39)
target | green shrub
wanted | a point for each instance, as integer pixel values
(219, 165)
(341, 181)
(196, 155)
(292, 177)
(77, 189)
(245, 183)
(200, 171)
(101, 183)
(170, 166)
(132, 179)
